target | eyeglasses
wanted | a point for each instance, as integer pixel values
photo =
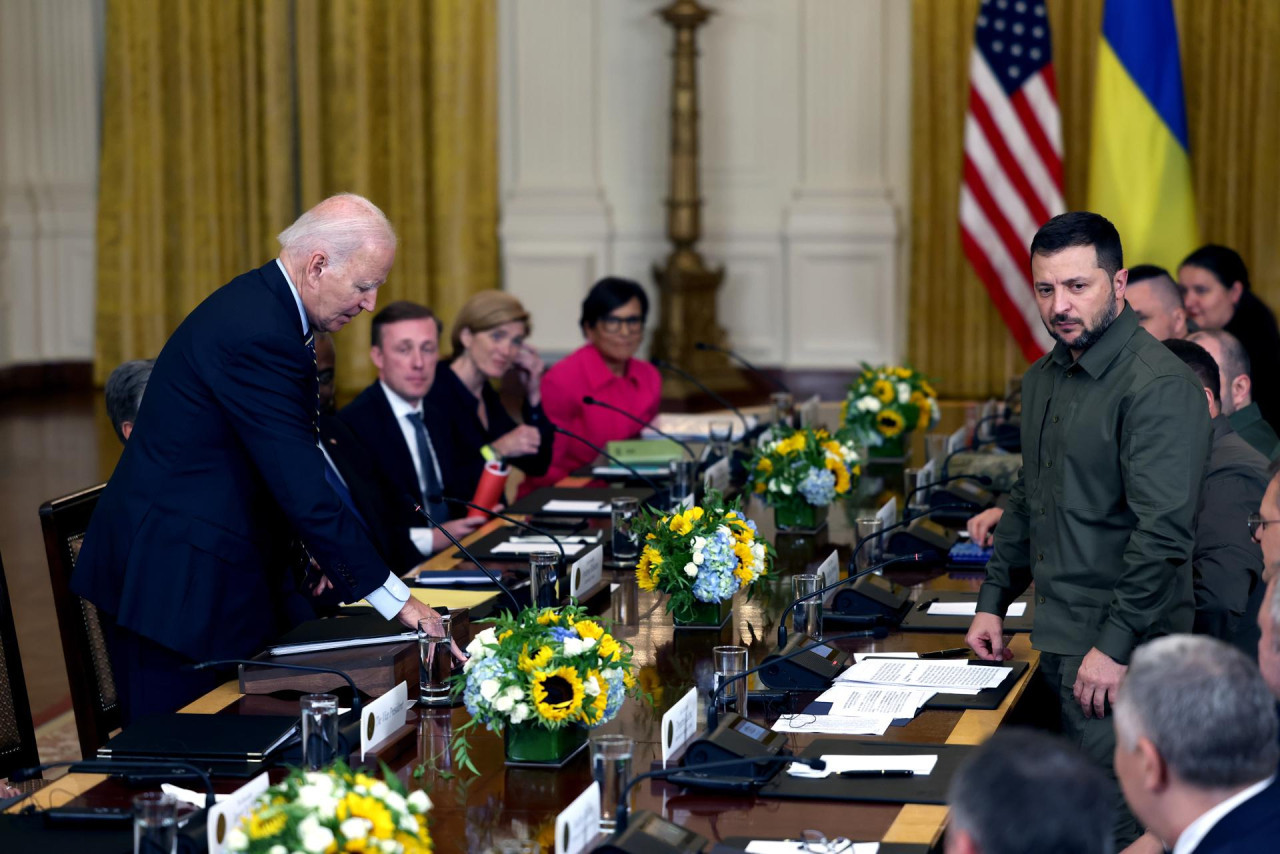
(612, 323)
(1257, 523)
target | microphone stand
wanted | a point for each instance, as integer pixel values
(776, 383)
(515, 603)
(591, 401)
(519, 523)
(980, 478)
(610, 457)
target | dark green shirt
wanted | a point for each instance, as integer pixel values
(1255, 430)
(1114, 450)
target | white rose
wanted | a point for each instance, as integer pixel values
(277, 849)
(724, 529)
(237, 840)
(316, 798)
(380, 790)
(419, 802)
(691, 568)
(572, 647)
(785, 488)
(320, 782)
(315, 836)
(699, 543)
(588, 644)
(904, 393)
(503, 703)
(757, 552)
(489, 689)
(591, 687)
(520, 713)
(869, 404)
(698, 558)
(356, 828)
(395, 801)
(515, 692)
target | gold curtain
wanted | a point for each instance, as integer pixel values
(1230, 80)
(223, 121)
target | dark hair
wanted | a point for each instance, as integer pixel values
(1200, 362)
(394, 312)
(124, 391)
(608, 294)
(1142, 272)
(1037, 775)
(1224, 263)
(1081, 228)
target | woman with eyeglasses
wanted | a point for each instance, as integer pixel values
(605, 368)
(468, 423)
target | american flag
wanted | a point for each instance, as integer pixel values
(1012, 158)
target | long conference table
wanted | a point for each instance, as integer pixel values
(478, 813)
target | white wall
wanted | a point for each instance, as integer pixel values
(50, 71)
(805, 134)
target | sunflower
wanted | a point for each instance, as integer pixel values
(842, 474)
(844, 410)
(588, 629)
(927, 389)
(883, 390)
(760, 487)
(609, 648)
(557, 694)
(794, 443)
(645, 579)
(267, 823)
(889, 423)
(681, 524)
(765, 465)
(504, 635)
(548, 617)
(537, 661)
(593, 711)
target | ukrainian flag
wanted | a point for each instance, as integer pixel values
(1140, 169)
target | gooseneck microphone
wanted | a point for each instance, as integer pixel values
(849, 579)
(417, 508)
(610, 457)
(176, 769)
(817, 763)
(519, 523)
(591, 401)
(776, 383)
(980, 478)
(718, 398)
(853, 559)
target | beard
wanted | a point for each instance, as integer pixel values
(1090, 333)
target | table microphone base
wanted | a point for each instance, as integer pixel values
(873, 596)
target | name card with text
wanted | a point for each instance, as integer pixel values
(383, 717)
(679, 724)
(579, 825)
(226, 814)
(586, 572)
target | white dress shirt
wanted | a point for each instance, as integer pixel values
(388, 599)
(1199, 829)
(423, 538)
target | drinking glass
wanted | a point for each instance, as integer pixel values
(319, 730)
(935, 446)
(155, 823)
(720, 434)
(611, 767)
(784, 408)
(873, 548)
(682, 474)
(543, 579)
(435, 657)
(626, 542)
(729, 662)
(806, 616)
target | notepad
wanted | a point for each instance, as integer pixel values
(921, 764)
(969, 609)
(563, 505)
(510, 548)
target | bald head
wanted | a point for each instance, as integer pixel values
(1233, 367)
(1155, 297)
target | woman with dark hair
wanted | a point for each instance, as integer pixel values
(605, 368)
(1215, 287)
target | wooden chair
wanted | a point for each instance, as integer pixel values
(84, 646)
(17, 733)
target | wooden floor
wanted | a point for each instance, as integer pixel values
(50, 445)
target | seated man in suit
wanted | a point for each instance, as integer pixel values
(1237, 390)
(195, 547)
(1226, 563)
(124, 391)
(388, 418)
(1196, 748)
(1051, 799)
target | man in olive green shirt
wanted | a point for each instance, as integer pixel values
(1236, 380)
(1115, 437)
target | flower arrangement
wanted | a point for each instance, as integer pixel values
(335, 810)
(551, 667)
(804, 467)
(885, 402)
(701, 555)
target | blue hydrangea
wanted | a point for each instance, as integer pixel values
(818, 487)
(489, 668)
(617, 693)
(561, 633)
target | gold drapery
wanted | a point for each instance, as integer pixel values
(1229, 74)
(223, 121)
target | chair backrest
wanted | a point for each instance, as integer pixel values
(84, 645)
(17, 733)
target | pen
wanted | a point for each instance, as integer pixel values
(954, 652)
(876, 775)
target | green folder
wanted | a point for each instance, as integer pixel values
(645, 451)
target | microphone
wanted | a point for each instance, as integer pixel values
(853, 559)
(849, 579)
(980, 478)
(519, 523)
(817, 763)
(303, 668)
(720, 399)
(417, 508)
(776, 383)
(713, 714)
(174, 768)
(591, 401)
(610, 457)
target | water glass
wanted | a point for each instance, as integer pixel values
(625, 601)
(729, 662)
(435, 659)
(784, 408)
(911, 481)
(873, 549)
(682, 478)
(935, 447)
(319, 731)
(155, 824)
(720, 434)
(544, 578)
(611, 767)
(806, 616)
(626, 542)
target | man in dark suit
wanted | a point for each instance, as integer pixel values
(389, 419)
(1196, 748)
(194, 542)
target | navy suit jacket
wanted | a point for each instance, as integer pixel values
(1250, 828)
(370, 418)
(192, 540)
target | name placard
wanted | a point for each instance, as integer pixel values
(888, 514)
(579, 825)
(586, 572)
(809, 411)
(226, 814)
(383, 717)
(716, 476)
(679, 724)
(829, 573)
(956, 440)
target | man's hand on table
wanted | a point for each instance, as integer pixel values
(982, 526)
(1097, 682)
(986, 637)
(414, 611)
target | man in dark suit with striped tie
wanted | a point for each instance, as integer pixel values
(192, 548)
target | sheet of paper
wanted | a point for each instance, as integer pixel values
(564, 505)
(619, 471)
(969, 609)
(858, 656)
(428, 579)
(834, 724)
(510, 548)
(547, 541)
(922, 764)
(855, 700)
(942, 675)
(797, 846)
(694, 425)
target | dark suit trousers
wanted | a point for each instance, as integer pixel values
(150, 679)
